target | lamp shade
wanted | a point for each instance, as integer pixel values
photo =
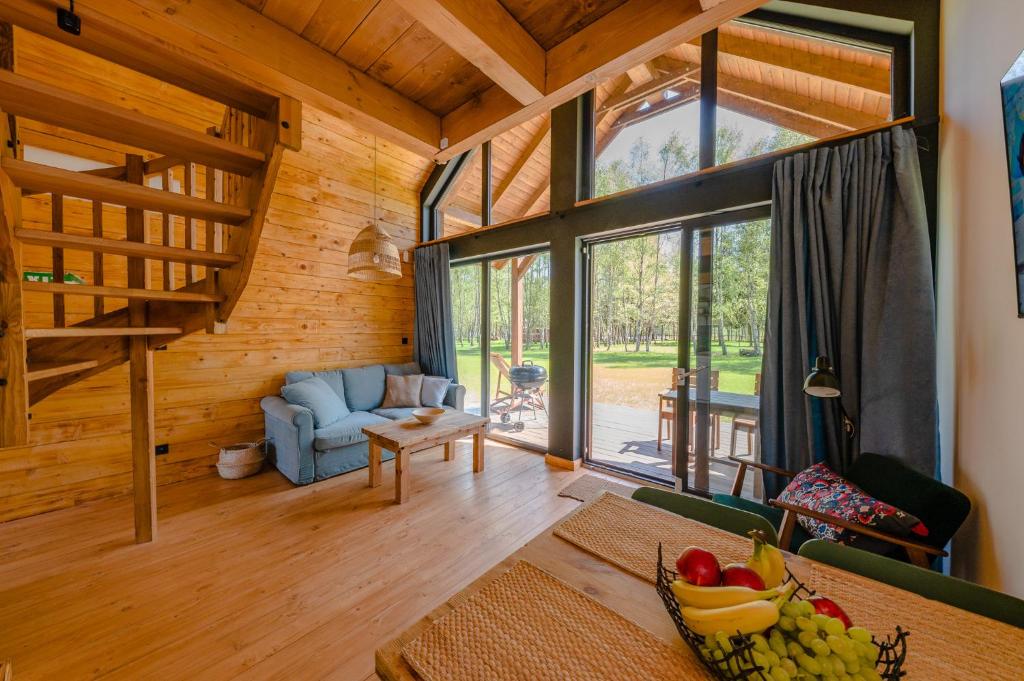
(822, 381)
(373, 256)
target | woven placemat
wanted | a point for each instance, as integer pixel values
(944, 643)
(588, 487)
(529, 626)
(626, 533)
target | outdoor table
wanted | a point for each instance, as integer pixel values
(732, 404)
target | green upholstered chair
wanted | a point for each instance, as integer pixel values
(940, 507)
(707, 512)
(938, 587)
(770, 513)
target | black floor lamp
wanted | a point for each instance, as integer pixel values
(823, 383)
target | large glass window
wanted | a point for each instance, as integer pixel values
(639, 356)
(466, 325)
(778, 87)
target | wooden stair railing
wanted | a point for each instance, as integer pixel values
(212, 188)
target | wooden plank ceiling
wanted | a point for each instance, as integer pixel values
(813, 86)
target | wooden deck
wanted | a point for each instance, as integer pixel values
(627, 439)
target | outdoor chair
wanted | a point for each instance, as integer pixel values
(749, 426)
(940, 507)
(667, 410)
(707, 512)
(933, 585)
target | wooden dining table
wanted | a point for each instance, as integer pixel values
(626, 594)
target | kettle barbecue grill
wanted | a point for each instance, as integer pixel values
(527, 381)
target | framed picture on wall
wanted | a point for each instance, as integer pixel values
(1012, 87)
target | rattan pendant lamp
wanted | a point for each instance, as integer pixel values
(373, 255)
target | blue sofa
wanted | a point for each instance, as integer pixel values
(304, 454)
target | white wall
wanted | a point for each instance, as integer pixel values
(981, 340)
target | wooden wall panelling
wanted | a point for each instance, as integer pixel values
(299, 309)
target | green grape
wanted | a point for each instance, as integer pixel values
(777, 643)
(773, 658)
(826, 665)
(838, 666)
(857, 677)
(795, 649)
(806, 608)
(837, 644)
(820, 648)
(853, 665)
(808, 664)
(760, 643)
(806, 638)
(829, 677)
(789, 665)
(835, 626)
(820, 620)
(872, 655)
(710, 642)
(723, 641)
(790, 609)
(780, 674)
(859, 634)
(787, 623)
(807, 624)
(870, 674)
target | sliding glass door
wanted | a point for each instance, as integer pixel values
(501, 319)
(676, 326)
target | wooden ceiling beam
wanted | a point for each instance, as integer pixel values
(859, 75)
(539, 138)
(643, 91)
(630, 35)
(489, 37)
(232, 54)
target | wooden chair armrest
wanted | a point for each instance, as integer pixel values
(763, 466)
(916, 550)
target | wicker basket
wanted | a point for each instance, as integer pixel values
(892, 650)
(241, 460)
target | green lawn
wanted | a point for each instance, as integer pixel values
(736, 372)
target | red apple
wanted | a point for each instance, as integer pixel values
(826, 606)
(699, 567)
(738, 574)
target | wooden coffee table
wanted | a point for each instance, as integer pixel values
(408, 436)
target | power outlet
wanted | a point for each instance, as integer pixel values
(163, 449)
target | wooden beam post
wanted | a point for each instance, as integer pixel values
(13, 380)
(7, 64)
(517, 312)
(140, 359)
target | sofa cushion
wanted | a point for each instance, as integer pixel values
(332, 377)
(397, 413)
(403, 391)
(434, 390)
(404, 369)
(364, 387)
(314, 394)
(347, 431)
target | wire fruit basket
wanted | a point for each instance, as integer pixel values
(739, 664)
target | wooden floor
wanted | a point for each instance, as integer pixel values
(258, 579)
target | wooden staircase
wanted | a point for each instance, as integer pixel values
(172, 290)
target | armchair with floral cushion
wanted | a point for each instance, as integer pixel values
(880, 505)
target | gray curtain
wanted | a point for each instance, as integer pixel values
(851, 278)
(434, 339)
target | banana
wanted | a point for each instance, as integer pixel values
(767, 560)
(718, 596)
(746, 618)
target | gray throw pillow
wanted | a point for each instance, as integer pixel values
(403, 391)
(314, 394)
(434, 390)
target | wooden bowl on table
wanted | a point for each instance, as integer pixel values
(427, 415)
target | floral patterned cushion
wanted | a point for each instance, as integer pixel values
(821, 489)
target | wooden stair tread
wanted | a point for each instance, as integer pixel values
(120, 292)
(37, 372)
(28, 175)
(87, 331)
(40, 237)
(38, 101)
